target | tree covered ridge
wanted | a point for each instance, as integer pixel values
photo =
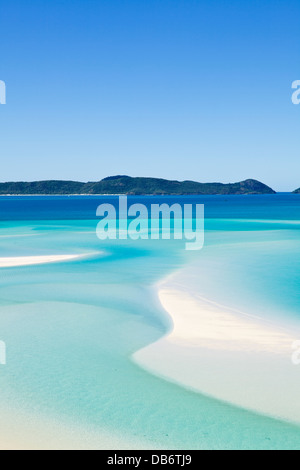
(133, 186)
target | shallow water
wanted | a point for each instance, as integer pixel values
(71, 328)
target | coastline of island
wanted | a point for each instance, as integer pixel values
(130, 186)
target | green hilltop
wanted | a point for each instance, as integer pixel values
(133, 186)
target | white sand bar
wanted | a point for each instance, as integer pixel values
(231, 356)
(32, 260)
(200, 322)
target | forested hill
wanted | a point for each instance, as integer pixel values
(133, 186)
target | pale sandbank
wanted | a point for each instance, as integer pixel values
(11, 262)
(234, 357)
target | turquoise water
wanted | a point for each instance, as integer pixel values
(72, 327)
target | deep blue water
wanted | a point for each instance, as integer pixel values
(283, 206)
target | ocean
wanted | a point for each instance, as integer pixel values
(72, 328)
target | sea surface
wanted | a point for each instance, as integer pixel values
(71, 328)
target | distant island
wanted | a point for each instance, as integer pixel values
(133, 186)
(297, 191)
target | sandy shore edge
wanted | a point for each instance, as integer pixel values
(21, 431)
(225, 354)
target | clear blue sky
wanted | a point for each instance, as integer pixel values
(183, 89)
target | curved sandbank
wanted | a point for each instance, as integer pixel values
(226, 354)
(32, 260)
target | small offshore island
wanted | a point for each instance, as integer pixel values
(127, 185)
